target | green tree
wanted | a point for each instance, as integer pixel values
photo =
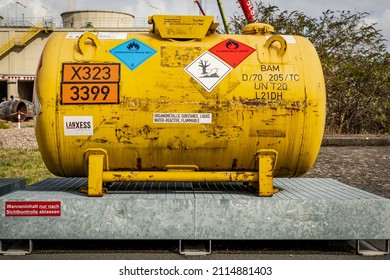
(355, 62)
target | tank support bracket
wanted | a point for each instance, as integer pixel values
(97, 162)
(95, 175)
(98, 173)
(267, 161)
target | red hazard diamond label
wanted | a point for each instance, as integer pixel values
(232, 51)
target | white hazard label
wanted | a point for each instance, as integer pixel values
(208, 70)
(182, 117)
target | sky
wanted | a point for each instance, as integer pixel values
(379, 10)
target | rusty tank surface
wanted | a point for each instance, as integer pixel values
(180, 97)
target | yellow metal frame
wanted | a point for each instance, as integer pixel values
(98, 173)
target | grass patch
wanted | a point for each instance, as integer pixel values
(4, 124)
(21, 163)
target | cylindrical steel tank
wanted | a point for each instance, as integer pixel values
(180, 95)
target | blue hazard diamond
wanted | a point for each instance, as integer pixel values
(132, 53)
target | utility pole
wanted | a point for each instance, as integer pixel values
(223, 17)
(16, 11)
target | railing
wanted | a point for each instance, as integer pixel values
(58, 22)
(27, 36)
(31, 33)
(7, 46)
(29, 22)
(48, 23)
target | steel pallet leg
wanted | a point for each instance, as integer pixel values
(366, 249)
(19, 248)
(194, 247)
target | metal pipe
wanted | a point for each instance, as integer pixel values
(9, 110)
(180, 176)
(200, 7)
(223, 17)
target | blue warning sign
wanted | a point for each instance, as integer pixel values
(132, 53)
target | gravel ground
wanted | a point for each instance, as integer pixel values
(23, 138)
(365, 167)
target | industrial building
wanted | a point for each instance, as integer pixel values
(22, 42)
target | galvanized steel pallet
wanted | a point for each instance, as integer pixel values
(303, 209)
(8, 185)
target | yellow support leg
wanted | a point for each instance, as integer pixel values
(267, 160)
(95, 175)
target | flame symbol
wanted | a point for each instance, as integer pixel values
(133, 46)
(232, 44)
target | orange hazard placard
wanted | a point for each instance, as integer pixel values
(90, 93)
(72, 73)
(90, 84)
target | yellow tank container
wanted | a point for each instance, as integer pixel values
(180, 96)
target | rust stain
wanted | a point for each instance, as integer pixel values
(102, 141)
(271, 133)
(178, 56)
(126, 133)
(256, 102)
(178, 145)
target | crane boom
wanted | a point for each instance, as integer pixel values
(200, 7)
(248, 9)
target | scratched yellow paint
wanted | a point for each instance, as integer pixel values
(162, 115)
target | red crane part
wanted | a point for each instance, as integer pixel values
(200, 7)
(248, 9)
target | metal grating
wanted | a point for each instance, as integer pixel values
(181, 190)
(319, 189)
(290, 189)
(8, 185)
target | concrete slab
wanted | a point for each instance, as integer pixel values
(304, 208)
(356, 140)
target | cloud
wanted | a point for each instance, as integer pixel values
(143, 9)
(5, 3)
(384, 24)
(30, 9)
